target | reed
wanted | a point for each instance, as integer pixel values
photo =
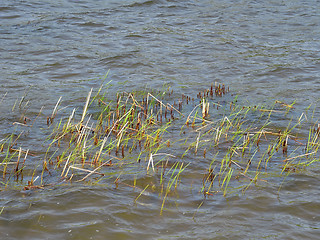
(113, 139)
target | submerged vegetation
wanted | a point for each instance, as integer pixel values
(157, 140)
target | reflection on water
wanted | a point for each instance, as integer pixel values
(264, 51)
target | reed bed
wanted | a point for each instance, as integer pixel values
(162, 134)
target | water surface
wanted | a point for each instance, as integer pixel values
(263, 50)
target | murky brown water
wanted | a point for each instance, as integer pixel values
(264, 50)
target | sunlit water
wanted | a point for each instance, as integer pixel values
(263, 50)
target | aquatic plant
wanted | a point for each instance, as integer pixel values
(162, 134)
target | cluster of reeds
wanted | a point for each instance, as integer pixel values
(152, 132)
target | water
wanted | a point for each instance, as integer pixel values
(263, 50)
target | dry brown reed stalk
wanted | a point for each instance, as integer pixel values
(86, 170)
(24, 122)
(150, 161)
(95, 170)
(70, 118)
(18, 161)
(271, 111)
(218, 135)
(205, 108)
(24, 161)
(83, 130)
(149, 94)
(189, 116)
(284, 104)
(65, 166)
(85, 108)
(8, 163)
(119, 136)
(54, 112)
(22, 150)
(99, 153)
(197, 143)
(300, 156)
